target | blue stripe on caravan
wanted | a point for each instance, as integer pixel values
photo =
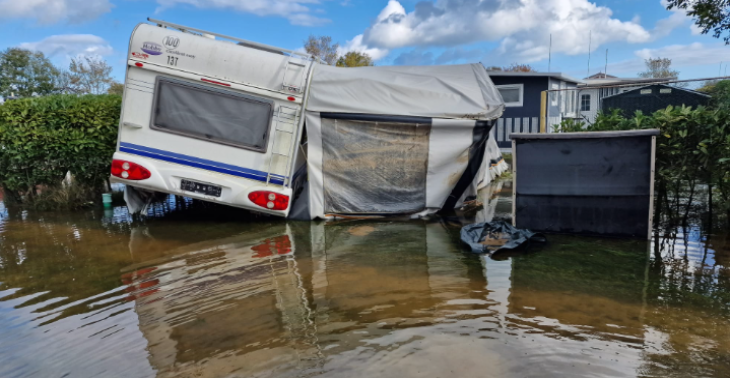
(191, 161)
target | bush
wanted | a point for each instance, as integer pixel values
(42, 138)
(693, 148)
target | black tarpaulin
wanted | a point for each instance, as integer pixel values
(491, 237)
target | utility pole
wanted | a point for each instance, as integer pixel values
(605, 69)
(589, 52)
(550, 52)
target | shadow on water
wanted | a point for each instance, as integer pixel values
(196, 290)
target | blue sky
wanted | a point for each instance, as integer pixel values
(411, 32)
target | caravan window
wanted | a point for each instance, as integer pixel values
(211, 114)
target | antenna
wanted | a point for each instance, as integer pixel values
(605, 70)
(589, 52)
(550, 52)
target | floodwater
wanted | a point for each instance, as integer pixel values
(194, 291)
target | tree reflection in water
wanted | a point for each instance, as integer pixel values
(201, 292)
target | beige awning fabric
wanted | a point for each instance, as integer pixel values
(456, 91)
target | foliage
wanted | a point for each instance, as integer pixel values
(43, 138)
(569, 125)
(693, 148)
(71, 196)
(115, 89)
(24, 73)
(89, 75)
(322, 47)
(659, 68)
(355, 59)
(709, 15)
(707, 86)
(720, 92)
(515, 67)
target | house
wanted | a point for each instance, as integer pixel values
(596, 87)
(521, 92)
(648, 99)
(580, 100)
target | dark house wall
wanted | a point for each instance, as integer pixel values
(531, 97)
(631, 101)
(520, 118)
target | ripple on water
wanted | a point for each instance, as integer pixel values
(187, 294)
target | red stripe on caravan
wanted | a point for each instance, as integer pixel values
(214, 82)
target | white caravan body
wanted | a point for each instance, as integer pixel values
(221, 119)
(211, 117)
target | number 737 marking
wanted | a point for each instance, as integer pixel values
(172, 60)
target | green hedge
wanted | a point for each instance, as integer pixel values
(693, 149)
(42, 138)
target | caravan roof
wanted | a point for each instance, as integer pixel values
(456, 91)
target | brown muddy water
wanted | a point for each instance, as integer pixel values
(198, 292)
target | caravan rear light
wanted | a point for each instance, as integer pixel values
(138, 64)
(269, 200)
(128, 170)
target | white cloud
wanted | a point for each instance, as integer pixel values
(356, 44)
(695, 54)
(53, 11)
(71, 45)
(695, 30)
(522, 27)
(296, 11)
(682, 56)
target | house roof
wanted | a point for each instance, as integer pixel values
(554, 75)
(600, 75)
(661, 85)
(620, 81)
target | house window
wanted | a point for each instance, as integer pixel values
(585, 103)
(512, 94)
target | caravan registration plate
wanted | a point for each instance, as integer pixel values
(196, 187)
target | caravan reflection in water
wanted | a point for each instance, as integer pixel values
(190, 296)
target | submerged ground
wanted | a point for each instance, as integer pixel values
(198, 292)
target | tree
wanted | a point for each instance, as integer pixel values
(355, 59)
(25, 73)
(322, 48)
(659, 68)
(514, 67)
(709, 15)
(708, 86)
(90, 75)
(116, 89)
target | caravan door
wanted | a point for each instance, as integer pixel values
(210, 120)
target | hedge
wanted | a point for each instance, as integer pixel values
(42, 138)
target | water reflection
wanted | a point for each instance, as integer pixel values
(191, 292)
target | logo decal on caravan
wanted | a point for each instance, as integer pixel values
(171, 42)
(152, 48)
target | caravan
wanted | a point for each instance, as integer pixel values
(226, 120)
(210, 119)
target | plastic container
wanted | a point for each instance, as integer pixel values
(106, 198)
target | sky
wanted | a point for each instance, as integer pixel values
(393, 32)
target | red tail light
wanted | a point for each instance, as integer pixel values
(128, 170)
(269, 200)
